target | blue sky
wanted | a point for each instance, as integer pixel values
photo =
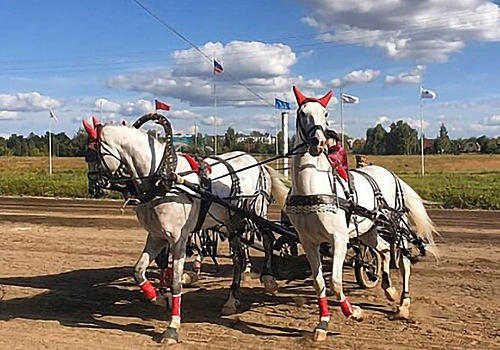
(78, 56)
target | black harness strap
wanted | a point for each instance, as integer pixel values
(206, 184)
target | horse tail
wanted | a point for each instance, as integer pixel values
(278, 188)
(425, 228)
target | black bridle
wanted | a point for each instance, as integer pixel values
(103, 178)
(307, 136)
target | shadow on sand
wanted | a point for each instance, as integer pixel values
(81, 298)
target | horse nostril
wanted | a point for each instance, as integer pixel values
(315, 141)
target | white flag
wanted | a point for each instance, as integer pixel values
(350, 99)
(53, 115)
(427, 93)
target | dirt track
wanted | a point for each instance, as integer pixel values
(65, 279)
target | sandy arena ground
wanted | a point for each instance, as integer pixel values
(65, 283)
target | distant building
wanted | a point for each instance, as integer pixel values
(428, 145)
(472, 146)
(266, 139)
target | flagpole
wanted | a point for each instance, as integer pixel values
(276, 123)
(342, 116)
(215, 107)
(422, 132)
(50, 147)
(195, 137)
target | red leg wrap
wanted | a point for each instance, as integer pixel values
(176, 305)
(323, 307)
(166, 277)
(346, 308)
(149, 290)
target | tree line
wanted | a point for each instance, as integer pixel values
(400, 139)
(403, 139)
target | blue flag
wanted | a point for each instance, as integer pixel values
(279, 104)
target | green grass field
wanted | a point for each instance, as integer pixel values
(465, 181)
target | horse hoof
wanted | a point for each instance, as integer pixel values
(170, 336)
(270, 284)
(403, 313)
(357, 313)
(390, 293)
(161, 300)
(320, 335)
(230, 308)
(189, 278)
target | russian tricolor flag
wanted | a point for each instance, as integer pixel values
(218, 67)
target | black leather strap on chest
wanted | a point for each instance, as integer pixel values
(319, 203)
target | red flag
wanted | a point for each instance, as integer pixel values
(161, 105)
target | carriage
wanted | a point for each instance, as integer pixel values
(245, 222)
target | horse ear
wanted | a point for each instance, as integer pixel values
(325, 99)
(90, 130)
(96, 121)
(299, 96)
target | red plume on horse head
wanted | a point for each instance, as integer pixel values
(91, 130)
(301, 99)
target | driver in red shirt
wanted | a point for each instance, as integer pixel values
(336, 154)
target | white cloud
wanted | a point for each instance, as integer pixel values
(406, 29)
(306, 54)
(412, 77)
(27, 102)
(360, 76)
(265, 121)
(491, 130)
(137, 108)
(262, 68)
(8, 115)
(493, 120)
(183, 114)
(336, 82)
(241, 59)
(415, 123)
(210, 121)
(356, 77)
(383, 120)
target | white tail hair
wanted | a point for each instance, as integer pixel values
(425, 228)
(278, 188)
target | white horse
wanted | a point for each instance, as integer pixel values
(170, 218)
(311, 207)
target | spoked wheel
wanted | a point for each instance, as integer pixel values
(286, 246)
(367, 267)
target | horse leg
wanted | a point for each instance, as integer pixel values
(404, 306)
(339, 245)
(314, 258)
(165, 271)
(248, 262)
(384, 249)
(238, 256)
(171, 334)
(266, 275)
(151, 250)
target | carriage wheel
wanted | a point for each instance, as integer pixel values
(286, 246)
(367, 267)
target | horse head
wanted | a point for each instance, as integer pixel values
(103, 160)
(312, 120)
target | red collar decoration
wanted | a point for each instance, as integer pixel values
(301, 99)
